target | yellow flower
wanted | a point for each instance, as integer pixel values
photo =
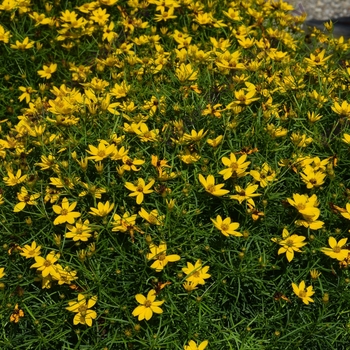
(300, 140)
(226, 226)
(346, 212)
(79, 232)
(302, 293)
(139, 190)
(290, 244)
(315, 274)
(65, 275)
(346, 138)
(81, 307)
(190, 286)
(46, 265)
(25, 199)
(25, 45)
(304, 204)
(186, 72)
(129, 164)
(152, 217)
(196, 273)
(148, 306)
(16, 314)
(194, 136)
(263, 175)
(47, 71)
(336, 251)
(246, 194)
(215, 142)
(101, 152)
(318, 59)
(13, 180)
(235, 168)
(313, 118)
(343, 109)
(30, 251)
(2, 273)
(158, 253)
(210, 187)
(193, 346)
(65, 212)
(102, 209)
(312, 178)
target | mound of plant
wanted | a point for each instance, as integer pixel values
(174, 175)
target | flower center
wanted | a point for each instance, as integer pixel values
(148, 303)
(211, 188)
(336, 249)
(47, 263)
(64, 212)
(197, 274)
(289, 242)
(302, 294)
(224, 227)
(161, 256)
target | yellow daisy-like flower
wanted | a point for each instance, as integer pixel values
(30, 251)
(158, 253)
(210, 187)
(193, 346)
(342, 109)
(303, 293)
(290, 244)
(336, 250)
(2, 273)
(226, 226)
(235, 167)
(140, 190)
(80, 231)
(81, 307)
(318, 59)
(246, 194)
(196, 273)
(65, 212)
(47, 71)
(25, 198)
(101, 152)
(148, 306)
(102, 209)
(47, 265)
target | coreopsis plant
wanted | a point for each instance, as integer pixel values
(246, 194)
(80, 231)
(209, 185)
(289, 244)
(192, 345)
(303, 293)
(83, 314)
(148, 306)
(25, 199)
(197, 273)
(2, 272)
(46, 265)
(140, 190)
(336, 250)
(235, 167)
(158, 253)
(103, 209)
(226, 227)
(30, 251)
(65, 212)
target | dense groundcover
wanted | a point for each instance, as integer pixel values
(174, 175)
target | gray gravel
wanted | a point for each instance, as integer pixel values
(324, 9)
